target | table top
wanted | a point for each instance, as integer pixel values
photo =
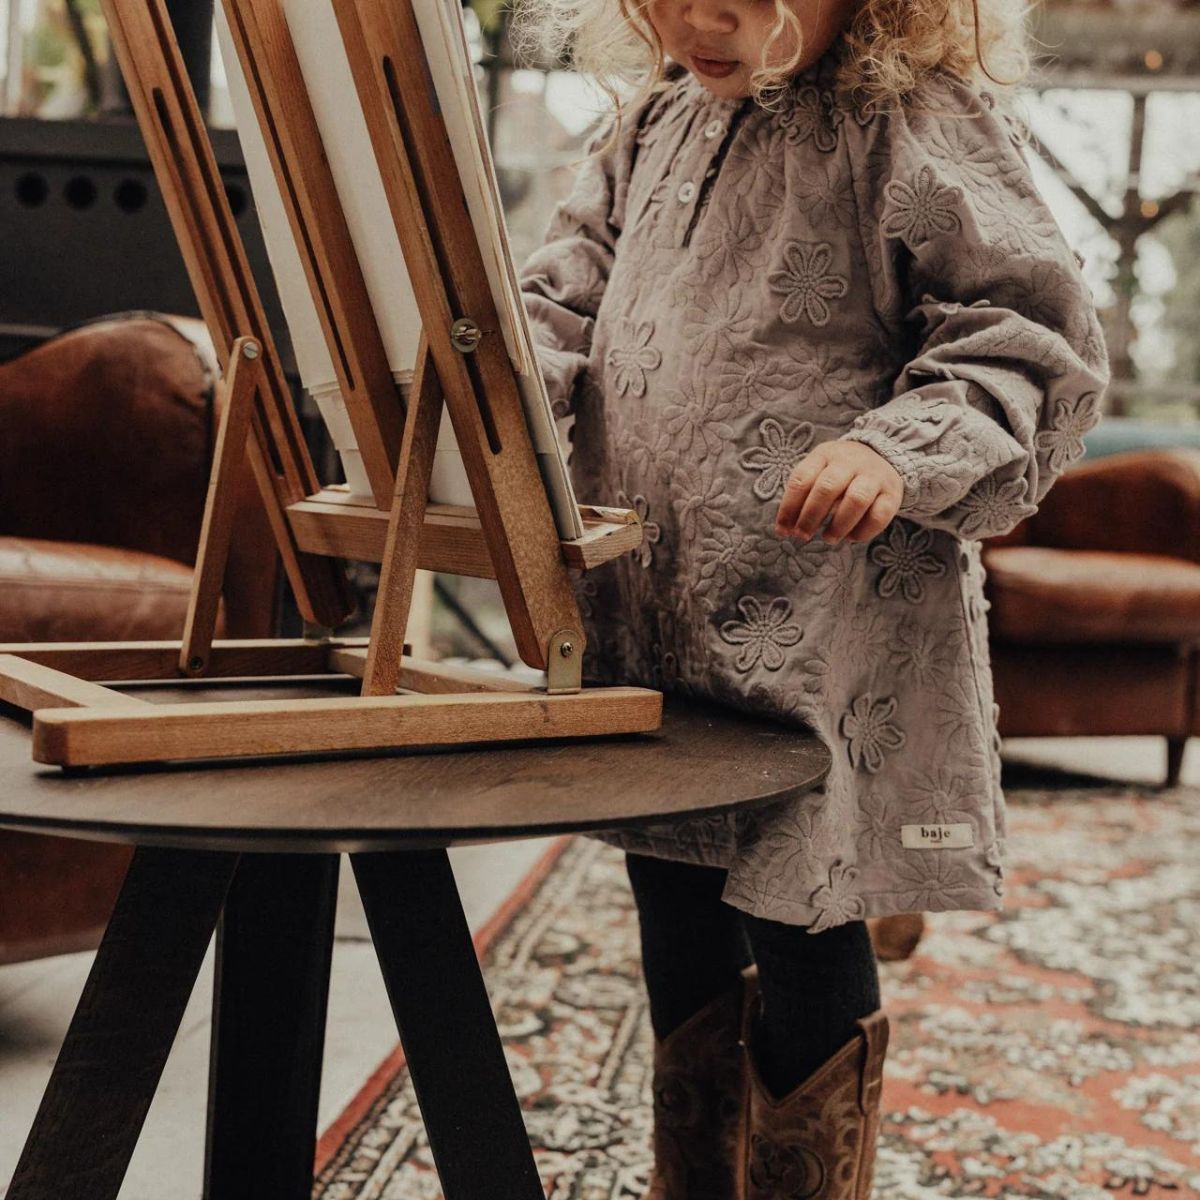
(704, 760)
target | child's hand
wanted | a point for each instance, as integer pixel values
(861, 488)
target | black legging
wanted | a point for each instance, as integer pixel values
(814, 985)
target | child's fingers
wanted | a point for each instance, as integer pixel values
(874, 520)
(795, 490)
(821, 494)
(855, 502)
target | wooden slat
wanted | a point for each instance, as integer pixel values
(405, 522)
(428, 206)
(191, 186)
(452, 539)
(431, 678)
(31, 685)
(310, 198)
(360, 533)
(127, 735)
(130, 661)
(238, 386)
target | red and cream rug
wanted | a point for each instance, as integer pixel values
(1050, 1051)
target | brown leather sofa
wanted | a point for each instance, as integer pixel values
(1094, 621)
(106, 435)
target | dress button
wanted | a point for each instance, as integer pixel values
(686, 191)
(713, 129)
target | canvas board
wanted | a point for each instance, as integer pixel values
(327, 75)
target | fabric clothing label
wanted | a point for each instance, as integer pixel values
(938, 837)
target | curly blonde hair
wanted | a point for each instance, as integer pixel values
(893, 45)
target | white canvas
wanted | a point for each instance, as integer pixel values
(326, 70)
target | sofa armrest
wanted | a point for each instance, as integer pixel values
(1137, 501)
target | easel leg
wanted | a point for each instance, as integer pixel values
(405, 524)
(117, 1045)
(229, 460)
(447, 1027)
(274, 947)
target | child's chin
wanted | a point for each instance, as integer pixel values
(729, 87)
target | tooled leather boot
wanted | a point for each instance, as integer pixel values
(699, 1100)
(818, 1142)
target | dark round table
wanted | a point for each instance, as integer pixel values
(252, 850)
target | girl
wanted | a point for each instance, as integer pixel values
(813, 322)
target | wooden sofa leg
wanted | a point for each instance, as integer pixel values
(1175, 749)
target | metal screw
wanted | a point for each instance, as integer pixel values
(566, 649)
(465, 334)
(195, 663)
(250, 350)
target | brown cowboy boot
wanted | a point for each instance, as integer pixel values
(818, 1142)
(699, 1101)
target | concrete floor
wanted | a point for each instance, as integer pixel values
(36, 999)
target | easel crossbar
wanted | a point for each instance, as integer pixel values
(139, 734)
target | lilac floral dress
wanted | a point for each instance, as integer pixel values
(727, 287)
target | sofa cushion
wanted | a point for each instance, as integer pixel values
(1044, 594)
(73, 592)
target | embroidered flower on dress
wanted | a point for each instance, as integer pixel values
(812, 115)
(929, 881)
(868, 731)
(1064, 439)
(918, 652)
(940, 796)
(784, 558)
(633, 359)
(905, 557)
(775, 458)
(725, 559)
(992, 506)
(716, 321)
(693, 422)
(875, 825)
(701, 505)
(836, 901)
(915, 213)
(827, 197)
(816, 674)
(730, 249)
(764, 634)
(806, 282)
(749, 379)
(651, 532)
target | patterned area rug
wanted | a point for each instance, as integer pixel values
(1051, 1050)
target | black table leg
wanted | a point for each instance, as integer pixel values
(116, 1047)
(447, 1027)
(274, 946)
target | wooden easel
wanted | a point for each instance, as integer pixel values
(462, 361)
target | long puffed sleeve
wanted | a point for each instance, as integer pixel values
(563, 280)
(1007, 364)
